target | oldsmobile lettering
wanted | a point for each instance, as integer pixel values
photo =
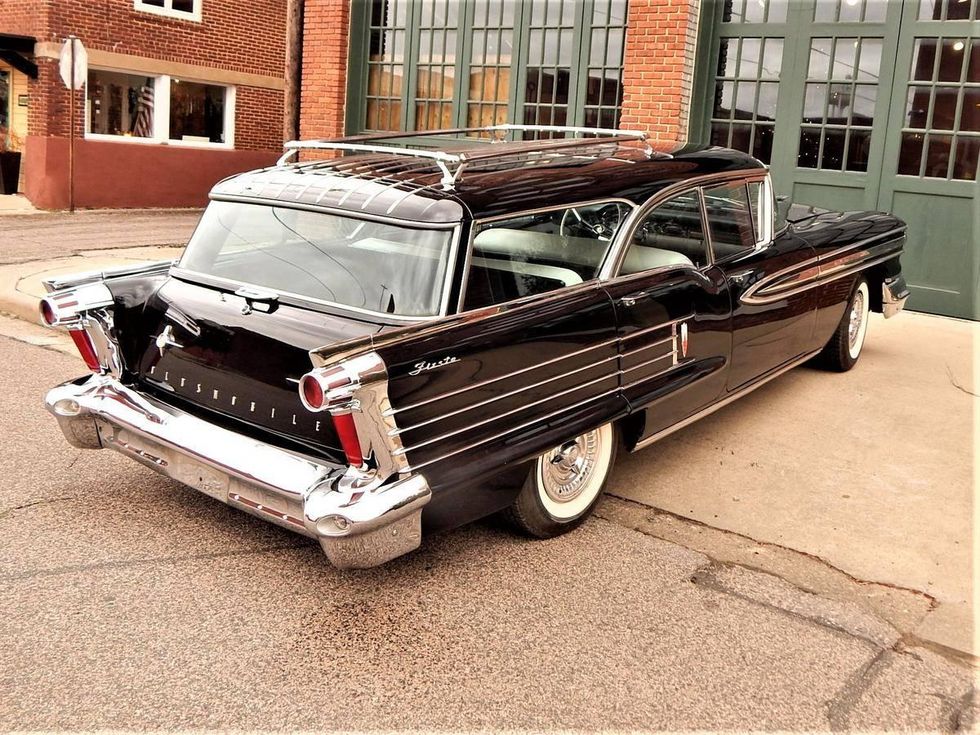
(420, 367)
(622, 295)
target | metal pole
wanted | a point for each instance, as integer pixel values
(71, 131)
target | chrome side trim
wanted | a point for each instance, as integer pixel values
(672, 356)
(509, 394)
(416, 468)
(661, 373)
(663, 325)
(464, 429)
(511, 374)
(59, 283)
(839, 263)
(724, 401)
(659, 342)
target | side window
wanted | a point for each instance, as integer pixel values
(538, 252)
(729, 219)
(671, 234)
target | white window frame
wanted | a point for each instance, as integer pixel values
(161, 114)
(168, 10)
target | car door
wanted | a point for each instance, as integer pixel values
(766, 333)
(673, 315)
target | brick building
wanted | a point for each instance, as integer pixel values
(179, 94)
(854, 104)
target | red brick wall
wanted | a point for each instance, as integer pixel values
(326, 26)
(24, 17)
(658, 69)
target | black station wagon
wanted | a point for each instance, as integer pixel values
(394, 339)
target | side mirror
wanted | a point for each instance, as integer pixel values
(783, 204)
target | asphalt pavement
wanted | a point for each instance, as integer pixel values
(130, 602)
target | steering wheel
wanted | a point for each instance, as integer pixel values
(595, 221)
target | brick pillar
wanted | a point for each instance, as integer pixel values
(326, 29)
(658, 67)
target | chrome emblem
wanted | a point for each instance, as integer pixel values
(684, 339)
(421, 367)
(166, 339)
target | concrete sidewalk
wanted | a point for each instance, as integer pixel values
(857, 486)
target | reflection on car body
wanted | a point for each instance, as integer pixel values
(403, 340)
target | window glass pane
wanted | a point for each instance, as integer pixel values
(729, 219)
(672, 234)
(766, 105)
(863, 107)
(967, 153)
(917, 107)
(951, 60)
(533, 254)
(923, 59)
(814, 103)
(755, 11)
(728, 52)
(748, 64)
(930, 9)
(910, 155)
(944, 108)
(772, 59)
(858, 148)
(184, 6)
(970, 115)
(833, 149)
(819, 59)
(120, 104)
(777, 11)
(368, 265)
(845, 58)
(870, 59)
(744, 100)
(809, 155)
(958, 10)
(850, 11)
(4, 103)
(875, 11)
(197, 112)
(755, 192)
(825, 11)
(937, 157)
(724, 92)
(973, 66)
(762, 145)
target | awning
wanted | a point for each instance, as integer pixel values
(15, 50)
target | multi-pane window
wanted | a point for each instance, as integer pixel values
(850, 11)
(443, 63)
(839, 103)
(754, 11)
(158, 108)
(186, 9)
(436, 65)
(941, 132)
(604, 89)
(949, 9)
(746, 91)
(491, 58)
(386, 64)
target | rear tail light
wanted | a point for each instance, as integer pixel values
(331, 390)
(86, 349)
(47, 313)
(347, 433)
(312, 392)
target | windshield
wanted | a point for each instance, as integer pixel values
(367, 265)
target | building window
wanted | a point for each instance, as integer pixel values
(158, 109)
(441, 63)
(941, 132)
(183, 9)
(4, 104)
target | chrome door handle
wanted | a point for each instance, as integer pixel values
(628, 301)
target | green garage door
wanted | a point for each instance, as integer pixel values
(870, 104)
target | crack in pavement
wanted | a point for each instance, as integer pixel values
(654, 511)
(840, 706)
(956, 384)
(32, 504)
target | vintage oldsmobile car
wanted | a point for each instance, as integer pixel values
(361, 347)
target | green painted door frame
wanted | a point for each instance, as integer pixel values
(942, 261)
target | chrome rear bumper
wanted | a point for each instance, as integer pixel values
(355, 528)
(894, 294)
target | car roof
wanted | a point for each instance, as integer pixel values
(523, 176)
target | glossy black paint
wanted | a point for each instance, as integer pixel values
(509, 382)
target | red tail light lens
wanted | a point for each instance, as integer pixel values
(86, 349)
(47, 313)
(312, 392)
(347, 433)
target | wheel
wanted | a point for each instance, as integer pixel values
(844, 348)
(564, 484)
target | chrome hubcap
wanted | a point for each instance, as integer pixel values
(857, 316)
(567, 468)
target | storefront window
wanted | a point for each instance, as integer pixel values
(120, 104)
(197, 112)
(4, 103)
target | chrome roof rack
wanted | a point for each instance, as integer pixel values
(364, 144)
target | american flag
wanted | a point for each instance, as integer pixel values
(143, 127)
